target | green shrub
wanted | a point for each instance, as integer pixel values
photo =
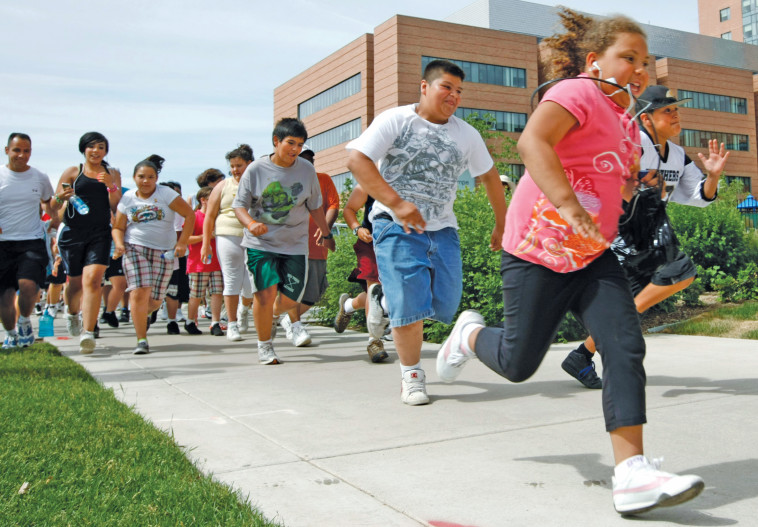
(740, 288)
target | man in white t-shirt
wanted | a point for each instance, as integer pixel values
(23, 253)
(409, 160)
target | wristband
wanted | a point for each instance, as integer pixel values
(114, 188)
(59, 200)
(328, 236)
(251, 223)
(355, 231)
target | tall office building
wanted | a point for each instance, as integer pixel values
(496, 42)
(729, 19)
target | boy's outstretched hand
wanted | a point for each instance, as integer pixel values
(716, 161)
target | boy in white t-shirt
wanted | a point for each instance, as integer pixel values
(23, 252)
(409, 160)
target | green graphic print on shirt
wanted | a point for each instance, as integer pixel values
(277, 201)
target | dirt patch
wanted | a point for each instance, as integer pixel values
(653, 319)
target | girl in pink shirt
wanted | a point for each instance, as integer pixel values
(580, 148)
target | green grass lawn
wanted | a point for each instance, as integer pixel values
(729, 320)
(90, 460)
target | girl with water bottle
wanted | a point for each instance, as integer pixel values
(93, 189)
(143, 232)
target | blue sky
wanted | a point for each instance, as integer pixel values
(189, 80)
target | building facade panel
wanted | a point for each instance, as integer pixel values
(710, 15)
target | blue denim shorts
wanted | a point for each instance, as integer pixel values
(420, 273)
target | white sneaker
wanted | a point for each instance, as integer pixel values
(286, 323)
(300, 336)
(163, 313)
(639, 486)
(242, 321)
(413, 388)
(180, 316)
(87, 343)
(73, 324)
(233, 332)
(266, 354)
(52, 310)
(376, 322)
(274, 326)
(451, 357)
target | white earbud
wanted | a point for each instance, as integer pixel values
(596, 67)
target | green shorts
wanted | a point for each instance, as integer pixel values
(289, 271)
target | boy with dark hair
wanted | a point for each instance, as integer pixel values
(409, 160)
(276, 195)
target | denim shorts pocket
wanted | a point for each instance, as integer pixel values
(380, 229)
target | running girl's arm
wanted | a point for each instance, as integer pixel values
(183, 209)
(112, 181)
(209, 223)
(549, 123)
(354, 203)
(117, 232)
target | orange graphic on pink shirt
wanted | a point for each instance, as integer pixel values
(553, 241)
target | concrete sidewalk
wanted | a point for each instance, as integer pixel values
(323, 439)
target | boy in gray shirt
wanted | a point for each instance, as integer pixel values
(276, 195)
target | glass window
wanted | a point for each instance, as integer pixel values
(335, 136)
(700, 138)
(717, 103)
(727, 35)
(501, 121)
(326, 98)
(725, 13)
(486, 73)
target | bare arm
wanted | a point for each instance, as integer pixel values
(112, 180)
(714, 165)
(209, 223)
(368, 176)
(183, 209)
(496, 196)
(117, 232)
(549, 123)
(319, 218)
(354, 203)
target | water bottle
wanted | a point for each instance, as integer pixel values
(46, 328)
(168, 255)
(208, 259)
(79, 204)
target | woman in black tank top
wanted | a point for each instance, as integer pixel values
(85, 239)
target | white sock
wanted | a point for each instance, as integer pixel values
(11, 333)
(349, 306)
(468, 329)
(22, 319)
(262, 342)
(170, 320)
(404, 368)
(297, 324)
(214, 323)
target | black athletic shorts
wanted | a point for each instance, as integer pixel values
(22, 259)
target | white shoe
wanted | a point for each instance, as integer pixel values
(267, 355)
(163, 313)
(300, 336)
(87, 343)
(413, 388)
(52, 310)
(639, 486)
(180, 316)
(274, 326)
(376, 322)
(452, 357)
(286, 323)
(242, 319)
(233, 332)
(73, 325)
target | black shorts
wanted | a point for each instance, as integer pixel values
(678, 270)
(178, 286)
(80, 249)
(114, 268)
(22, 259)
(60, 279)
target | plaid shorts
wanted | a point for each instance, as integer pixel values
(144, 267)
(212, 281)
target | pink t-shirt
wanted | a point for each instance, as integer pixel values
(597, 155)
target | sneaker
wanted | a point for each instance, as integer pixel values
(142, 348)
(451, 356)
(172, 328)
(87, 343)
(216, 330)
(233, 332)
(153, 316)
(110, 318)
(180, 315)
(376, 322)
(191, 328)
(11, 340)
(52, 310)
(266, 354)
(73, 324)
(639, 486)
(124, 318)
(25, 333)
(300, 336)
(242, 318)
(38, 309)
(286, 323)
(96, 331)
(343, 317)
(376, 351)
(274, 325)
(163, 312)
(580, 368)
(413, 388)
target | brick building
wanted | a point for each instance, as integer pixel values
(496, 42)
(729, 19)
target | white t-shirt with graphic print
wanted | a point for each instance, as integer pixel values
(422, 161)
(150, 222)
